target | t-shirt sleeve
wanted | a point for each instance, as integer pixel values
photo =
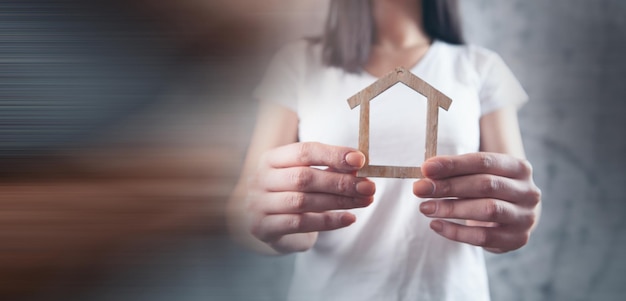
(281, 80)
(499, 86)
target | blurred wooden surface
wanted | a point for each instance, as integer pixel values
(62, 215)
(78, 210)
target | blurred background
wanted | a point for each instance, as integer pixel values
(123, 125)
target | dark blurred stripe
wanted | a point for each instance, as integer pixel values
(68, 68)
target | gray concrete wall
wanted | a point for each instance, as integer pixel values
(569, 55)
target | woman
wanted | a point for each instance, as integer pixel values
(403, 246)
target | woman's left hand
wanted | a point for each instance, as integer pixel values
(494, 193)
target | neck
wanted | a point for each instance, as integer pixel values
(400, 36)
(399, 24)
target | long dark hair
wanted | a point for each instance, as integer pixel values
(350, 30)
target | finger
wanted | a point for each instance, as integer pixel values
(330, 169)
(485, 210)
(300, 202)
(476, 163)
(298, 242)
(305, 179)
(493, 238)
(315, 154)
(496, 250)
(478, 186)
(273, 227)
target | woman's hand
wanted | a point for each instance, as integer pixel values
(494, 193)
(289, 201)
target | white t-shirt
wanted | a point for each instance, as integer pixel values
(390, 253)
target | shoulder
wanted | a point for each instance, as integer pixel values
(474, 55)
(470, 52)
(477, 58)
(289, 73)
(300, 53)
(494, 81)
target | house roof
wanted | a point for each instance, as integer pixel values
(400, 75)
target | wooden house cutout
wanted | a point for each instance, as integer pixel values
(435, 100)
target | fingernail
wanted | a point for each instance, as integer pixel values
(437, 226)
(365, 188)
(431, 168)
(428, 208)
(424, 187)
(347, 219)
(355, 159)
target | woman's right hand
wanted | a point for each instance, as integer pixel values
(290, 200)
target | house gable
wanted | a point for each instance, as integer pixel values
(435, 100)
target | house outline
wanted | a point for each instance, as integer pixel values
(435, 99)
